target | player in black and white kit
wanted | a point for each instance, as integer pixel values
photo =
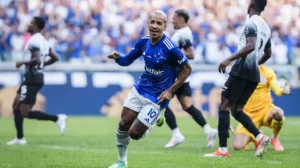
(37, 49)
(244, 77)
(183, 37)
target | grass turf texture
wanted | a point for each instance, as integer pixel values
(90, 142)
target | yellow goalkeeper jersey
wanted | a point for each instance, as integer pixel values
(261, 97)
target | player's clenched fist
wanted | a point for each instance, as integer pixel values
(113, 55)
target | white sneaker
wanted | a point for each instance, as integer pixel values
(262, 146)
(119, 164)
(211, 137)
(17, 141)
(175, 140)
(62, 122)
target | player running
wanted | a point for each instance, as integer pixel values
(183, 37)
(37, 49)
(155, 88)
(244, 78)
(262, 111)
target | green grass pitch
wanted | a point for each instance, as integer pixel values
(90, 143)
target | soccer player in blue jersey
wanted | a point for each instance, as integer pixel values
(156, 86)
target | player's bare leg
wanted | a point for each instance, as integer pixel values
(276, 120)
(177, 137)
(128, 116)
(224, 124)
(18, 120)
(137, 130)
(240, 141)
(262, 141)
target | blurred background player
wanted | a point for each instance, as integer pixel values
(262, 111)
(244, 78)
(183, 37)
(156, 86)
(37, 49)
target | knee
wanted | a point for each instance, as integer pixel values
(224, 107)
(24, 113)
(235, 111)
(16, 106)
(135, 134)
(124, 125)
(185, 104)
(237, 145)
(278, 114)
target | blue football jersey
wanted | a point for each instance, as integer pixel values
(161, 63)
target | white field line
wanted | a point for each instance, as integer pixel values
(72, 148)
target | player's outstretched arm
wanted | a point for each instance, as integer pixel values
(183, 75)
(53, 58)
(35, 58)
(286, 90)
(127, 59)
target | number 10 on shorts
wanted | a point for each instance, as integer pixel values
(151, 113)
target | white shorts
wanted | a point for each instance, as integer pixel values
(149, 112)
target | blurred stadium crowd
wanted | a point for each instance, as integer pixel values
(87, 30)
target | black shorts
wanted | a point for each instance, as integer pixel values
(238, 89)
(28, 92)
(184, 90)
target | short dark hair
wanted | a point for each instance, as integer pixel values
(40, 22)
(260, 4)
(183, 13)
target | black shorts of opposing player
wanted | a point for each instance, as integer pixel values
(29, 89)
(238, 90)
(184, 90)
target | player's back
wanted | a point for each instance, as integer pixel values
(37, 42)
(247, 68)
(263, 34)
(261, 97)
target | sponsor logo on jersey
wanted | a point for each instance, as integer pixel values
(153, 71)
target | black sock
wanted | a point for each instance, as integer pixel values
(224, 123)
(42, 116)
(170, 118)
(18, 118)
(197, 115)
(246, 121)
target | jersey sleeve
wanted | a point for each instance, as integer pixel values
(274, 83)
(134, 53)
(32, 47)
(250, 30)
(268, 44)
(185, 43)
(177, 58)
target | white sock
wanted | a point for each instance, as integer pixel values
(223, 149)
(123, 140)
(176, 132)
(206, 128)
(258, 137)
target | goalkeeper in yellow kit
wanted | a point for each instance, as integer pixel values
(262, 111)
